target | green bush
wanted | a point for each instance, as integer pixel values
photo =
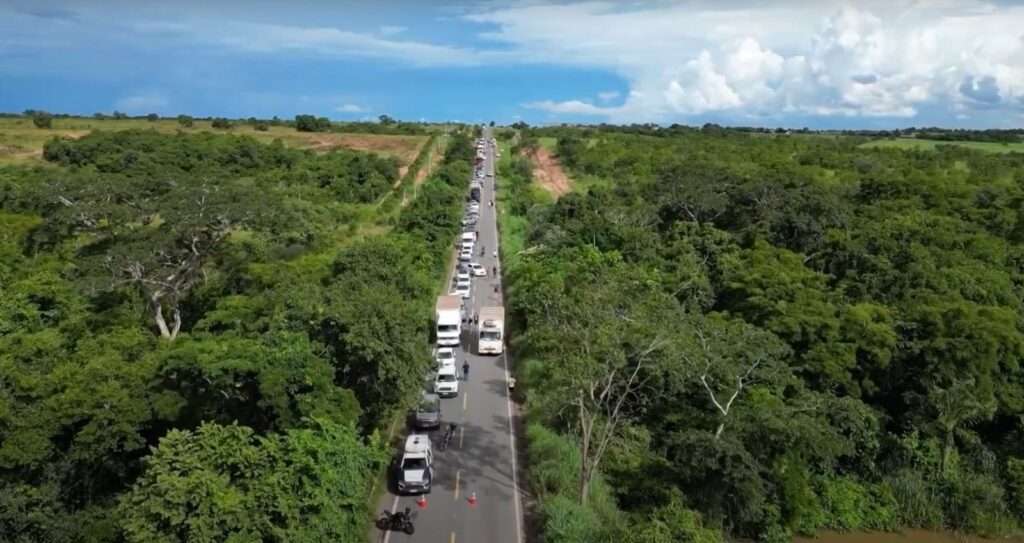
(672, 523)
(802, 511)
(851, 505)
(918, 503)
(1015, 484)
(977, 503)
(554, 462)
(42, 119)
(566, 521)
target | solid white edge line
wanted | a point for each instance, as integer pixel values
(387, 533)
(508, 393)
(512, 445)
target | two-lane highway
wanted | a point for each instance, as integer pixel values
(475, 496)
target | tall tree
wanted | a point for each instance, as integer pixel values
(727, 357)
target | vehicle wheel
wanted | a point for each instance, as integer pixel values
(408, 528)
(383, 524)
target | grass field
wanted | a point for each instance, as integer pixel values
(548, 143)
(21, 141)
(929, 145)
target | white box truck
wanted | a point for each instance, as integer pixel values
(492, 330)
(449, 320)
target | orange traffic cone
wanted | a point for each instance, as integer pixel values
(422, 502)
(472, 499)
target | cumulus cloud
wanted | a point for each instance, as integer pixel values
(607, 96)
(571, 107)
(390, 30)
(349, 108)
(149, 102)
(870, 59)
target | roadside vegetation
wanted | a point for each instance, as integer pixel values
(22, 137)
(756, 336)
(202, 334)
(930, 145)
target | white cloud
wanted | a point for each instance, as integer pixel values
(607, 96)
(150, 102)
(571, 107)
(320, 40)
(334, 42)
(391, 30)
(349, 108)
(872, 58)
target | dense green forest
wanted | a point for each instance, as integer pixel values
(200, 335)
(759, 336)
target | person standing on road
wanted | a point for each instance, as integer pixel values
(465, 370)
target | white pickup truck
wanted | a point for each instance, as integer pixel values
(415, 470)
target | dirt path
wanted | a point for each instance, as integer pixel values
(548, 173)
(435, 158)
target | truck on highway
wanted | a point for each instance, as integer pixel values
(492, 330)
(448, 316)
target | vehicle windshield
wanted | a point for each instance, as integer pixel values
(446, 378)
(490, 336)
(448, 328)
(414, 464)
(428, 406)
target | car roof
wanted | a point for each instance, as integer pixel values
(447, 368)
(417, 444)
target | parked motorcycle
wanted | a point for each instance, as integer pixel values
(398, 522)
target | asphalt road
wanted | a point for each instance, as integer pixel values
(481, 460)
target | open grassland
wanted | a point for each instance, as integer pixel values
(929, 145)
(21, 141)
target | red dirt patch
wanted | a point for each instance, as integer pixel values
(548, 173)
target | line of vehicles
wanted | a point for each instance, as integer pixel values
(455, 329)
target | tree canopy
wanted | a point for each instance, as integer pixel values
(201, 334)
(839, 332)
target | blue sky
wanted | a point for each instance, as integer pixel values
(825, 64)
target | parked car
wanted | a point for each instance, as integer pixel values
(461, 275)
(466, 256)
(477, 269)
(445, 356)
(446, 383)
(462, 288)
(428, 412)
(415, 469)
